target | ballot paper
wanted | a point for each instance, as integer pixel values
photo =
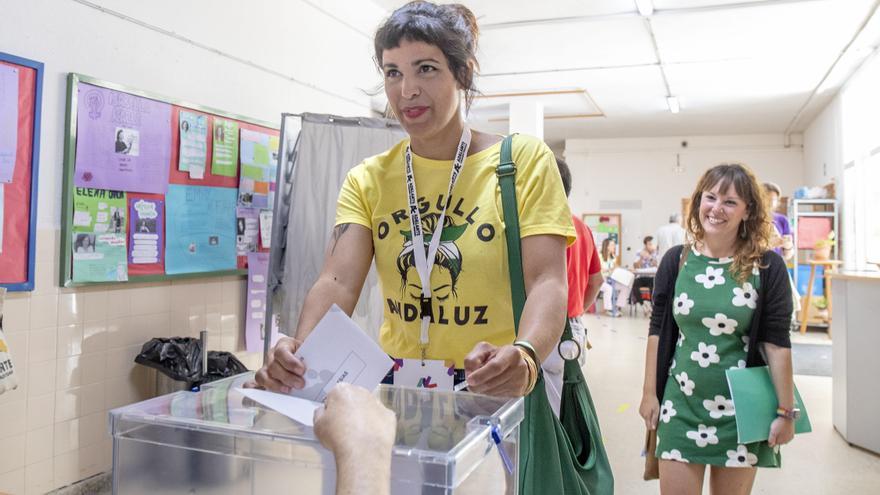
(300, 410)
(336, 351)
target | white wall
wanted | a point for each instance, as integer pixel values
(644, 169)
(73, 349)
(842, 140)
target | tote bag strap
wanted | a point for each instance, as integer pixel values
(506, 172)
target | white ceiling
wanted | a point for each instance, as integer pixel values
(736, 66)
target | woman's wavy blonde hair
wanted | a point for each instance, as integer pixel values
(754, 231)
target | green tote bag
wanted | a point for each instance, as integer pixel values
(562, 455)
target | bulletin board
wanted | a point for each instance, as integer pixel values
(21, 90)
(161, 189)
(605, 226)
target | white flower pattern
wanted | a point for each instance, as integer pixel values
(745, 296)
(745, 340)
(720, 325)
(705, 435)
(739, 365)
(673, 455)
(685, 383)
(712, 277)
(680, 339)
(682, 304)
(667, 411)
(719, 407)
(706, 355)
(741, 457)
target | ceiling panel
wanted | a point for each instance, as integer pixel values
(805, 29)
(578, 44)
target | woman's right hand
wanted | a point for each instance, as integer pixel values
(284, 371)
(650, 410)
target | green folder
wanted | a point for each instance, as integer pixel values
(755, 401)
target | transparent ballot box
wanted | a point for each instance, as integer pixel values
(216, 441)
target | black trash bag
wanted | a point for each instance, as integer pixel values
(222, 364)
(180, 358)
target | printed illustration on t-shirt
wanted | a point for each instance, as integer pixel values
(447, 262)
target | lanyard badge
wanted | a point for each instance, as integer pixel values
(424, 260)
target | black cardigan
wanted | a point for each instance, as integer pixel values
(771, 321)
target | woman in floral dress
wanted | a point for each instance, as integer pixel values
(716, 304)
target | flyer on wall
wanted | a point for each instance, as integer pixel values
(8, 121)
(123, 141)
(259, 158)
(224, 157)
(193, 144)
(200, 229)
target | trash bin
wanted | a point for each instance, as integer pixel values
(180, 363)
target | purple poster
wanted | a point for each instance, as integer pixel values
(8, 122)
(123, 142)
(146, 246)
(255, 314)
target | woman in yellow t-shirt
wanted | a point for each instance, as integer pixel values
(437, 191)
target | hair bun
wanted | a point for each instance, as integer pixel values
(469, 19)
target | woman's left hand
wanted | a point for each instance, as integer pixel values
(781, 432)
(498, 371)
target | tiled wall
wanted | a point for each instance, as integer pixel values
(74, 352)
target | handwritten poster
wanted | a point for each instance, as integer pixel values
(123, 141)
(201, 225)
(98, 211)
(224, 159)
(258, 272)
(259, 158)
(193, 143)
(8, 121)
(146, 244)
(99, 257)
(247, 230)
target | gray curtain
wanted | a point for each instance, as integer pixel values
(327, 148)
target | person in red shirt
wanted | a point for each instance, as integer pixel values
(584, 281)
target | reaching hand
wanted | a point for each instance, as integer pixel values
(284, 371)
(498, 371)
(353, 420)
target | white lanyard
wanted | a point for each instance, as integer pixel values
(425, 261)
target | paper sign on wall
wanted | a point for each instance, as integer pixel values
(224, 159)
(255, 319)
(193, 144)
(99, 257)
(259, 157)
(8, 121)
(123, 141)
(200, 227)
(147, 219)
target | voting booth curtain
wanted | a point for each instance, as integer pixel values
(326, 149)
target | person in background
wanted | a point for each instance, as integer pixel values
(359, 431)
(782, 242)
(611, 300)
(671, 234)
(584, 281)
(647, 256)
(722, 302)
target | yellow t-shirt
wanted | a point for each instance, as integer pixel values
(470, 278)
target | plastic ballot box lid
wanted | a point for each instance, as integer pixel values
(218, 441)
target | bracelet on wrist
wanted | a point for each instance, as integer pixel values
(528, 347)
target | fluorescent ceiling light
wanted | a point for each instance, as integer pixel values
(672, 101)
(646, 7)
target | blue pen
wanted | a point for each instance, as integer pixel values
(496, 437)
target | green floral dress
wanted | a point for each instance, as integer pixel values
(713, 313)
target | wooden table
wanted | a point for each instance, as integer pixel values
(829, 266)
